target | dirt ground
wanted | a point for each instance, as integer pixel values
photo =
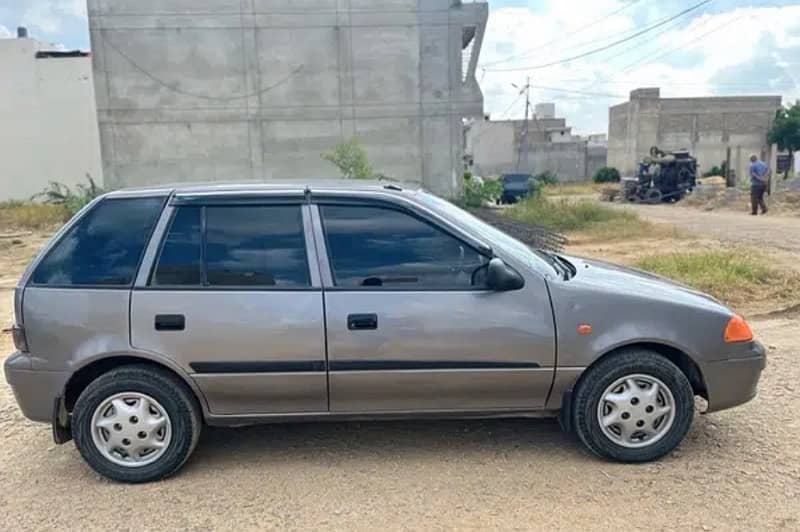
(737, 470)
(770, 231)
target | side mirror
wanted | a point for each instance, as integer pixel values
(502, 278)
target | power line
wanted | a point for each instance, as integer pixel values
(606, 47)
(175, 89)
(649, 60)
(580, 92)
(542, 46)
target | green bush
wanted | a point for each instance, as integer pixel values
(715, 171)
(71, 200)
(351, 160)
(547, 178)
(476, 194)
(607, 174)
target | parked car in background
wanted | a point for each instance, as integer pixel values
(515, 187)
(156, 311)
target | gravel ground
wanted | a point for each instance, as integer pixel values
(737, 470)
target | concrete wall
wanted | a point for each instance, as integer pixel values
(202, 90)
(494, 148)
(49, 125)
(596, 158)
(707, 127)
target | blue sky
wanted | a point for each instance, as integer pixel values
(724, 47)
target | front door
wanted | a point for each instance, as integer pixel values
(232, 300)
(412, 327)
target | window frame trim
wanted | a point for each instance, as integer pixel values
(323, 247)
(174, 206)
(74, 222)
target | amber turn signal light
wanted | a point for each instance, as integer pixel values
(738, 331)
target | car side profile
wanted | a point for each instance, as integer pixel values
(154, 312)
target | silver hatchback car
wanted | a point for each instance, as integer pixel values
(156, 311)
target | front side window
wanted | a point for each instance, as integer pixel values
(104, 247)
(243, 246)
(380, 247)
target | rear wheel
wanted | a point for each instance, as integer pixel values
(653, 196)
(634, 406)
(136, 424)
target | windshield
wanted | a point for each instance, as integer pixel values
(488, 233)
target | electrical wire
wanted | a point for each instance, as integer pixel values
(606, 47)
(163, 83)
(528, 53)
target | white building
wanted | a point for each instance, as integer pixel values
(48, 121)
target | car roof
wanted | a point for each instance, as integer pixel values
(271, 187)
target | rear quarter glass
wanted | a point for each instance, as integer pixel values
(103, 247)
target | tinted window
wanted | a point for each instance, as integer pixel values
(102, 248)
(256, 246)
(371, 246)
(181, 255)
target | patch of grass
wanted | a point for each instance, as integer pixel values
(566, 215)
(738, 276)
(627, 229)
(581, 188)
(15, 215)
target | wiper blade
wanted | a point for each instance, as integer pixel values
(557, 265)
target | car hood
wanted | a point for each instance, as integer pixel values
(622, 279)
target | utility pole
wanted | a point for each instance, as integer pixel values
(524, 144)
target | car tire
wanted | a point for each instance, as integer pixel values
(119, 399)
(639, 384)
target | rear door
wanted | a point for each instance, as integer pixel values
(411, 325)
(233, 298)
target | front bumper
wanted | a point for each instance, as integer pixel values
(734, 381)
(35, 390)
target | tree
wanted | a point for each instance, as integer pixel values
(785, 132)
(351, 160)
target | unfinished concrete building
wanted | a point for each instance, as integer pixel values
(202, 90)
(495, 147)
(707, 127)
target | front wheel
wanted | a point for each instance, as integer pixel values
(634, 406)
(136, 424)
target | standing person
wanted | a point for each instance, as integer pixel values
(759, 179)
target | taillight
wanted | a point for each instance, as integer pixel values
(20, 340)
(738, 331)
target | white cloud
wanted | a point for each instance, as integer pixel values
(5, 33)
(744, 50)
(49, 15)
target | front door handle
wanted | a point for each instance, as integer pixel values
(170, 322)
(362, 322)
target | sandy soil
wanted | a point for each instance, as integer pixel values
(737, 470)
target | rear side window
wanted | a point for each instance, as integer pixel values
(180, 263)
(256, 246)
(104, 247)
(243, 246)
(378, 247)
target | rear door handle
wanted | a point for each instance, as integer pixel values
(170, 322)
(362, 322)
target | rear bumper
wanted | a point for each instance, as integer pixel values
(35, 391)
(734, 381)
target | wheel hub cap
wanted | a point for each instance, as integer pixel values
(636, 411)
(131, 429)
